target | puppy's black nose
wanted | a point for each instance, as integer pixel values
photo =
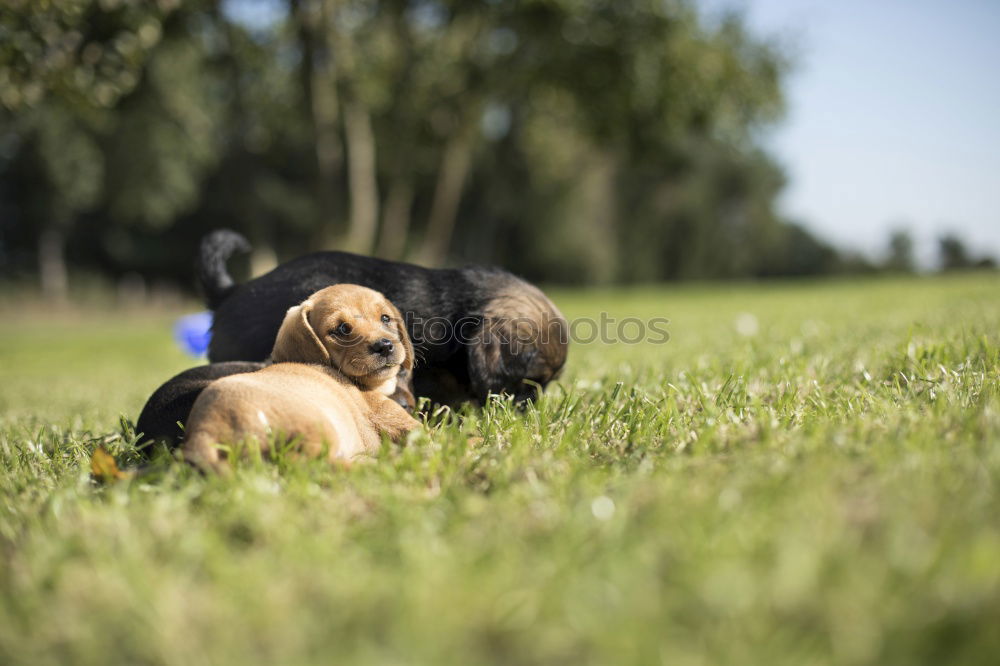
(383, 347)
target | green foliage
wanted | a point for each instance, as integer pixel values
(570, 141)
(955, 256)
(72, 79)
(86, 53)
(72, 162)
(900, 257)
(804, 473)
(162, 147)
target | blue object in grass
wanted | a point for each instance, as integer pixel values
(193, 332)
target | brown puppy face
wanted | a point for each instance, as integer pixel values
(351, 328)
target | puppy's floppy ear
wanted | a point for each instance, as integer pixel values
(486, 359)
(297, 341)
(404, 337)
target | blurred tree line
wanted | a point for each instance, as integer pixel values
(573, 141)
(953, 255)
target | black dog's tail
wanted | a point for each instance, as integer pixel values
(216, 248)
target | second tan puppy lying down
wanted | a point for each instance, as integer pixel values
(336, 359)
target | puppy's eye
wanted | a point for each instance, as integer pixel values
(386, 319)
(343, 329)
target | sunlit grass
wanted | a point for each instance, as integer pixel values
(804, 473)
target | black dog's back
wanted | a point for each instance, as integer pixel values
(463, 322)
(247, 319)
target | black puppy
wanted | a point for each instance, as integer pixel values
(475, 330)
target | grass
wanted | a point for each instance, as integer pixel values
(804, 474)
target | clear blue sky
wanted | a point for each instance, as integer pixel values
(893, 117)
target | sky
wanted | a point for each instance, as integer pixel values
(893, 118)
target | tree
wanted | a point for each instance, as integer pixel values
(67, 69)
(573, 142)
(953, 253)
(58, 80)
(900, 258)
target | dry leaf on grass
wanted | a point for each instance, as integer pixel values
(104, 468)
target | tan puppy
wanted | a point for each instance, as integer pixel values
(336, 359)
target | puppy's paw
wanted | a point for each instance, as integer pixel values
(402, 397)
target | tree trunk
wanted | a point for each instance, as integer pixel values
(320, 89)
(396, 219)
(447, 193)
(328, 155)
(362, 178)
(52, 264)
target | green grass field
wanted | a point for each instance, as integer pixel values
(806, 473)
